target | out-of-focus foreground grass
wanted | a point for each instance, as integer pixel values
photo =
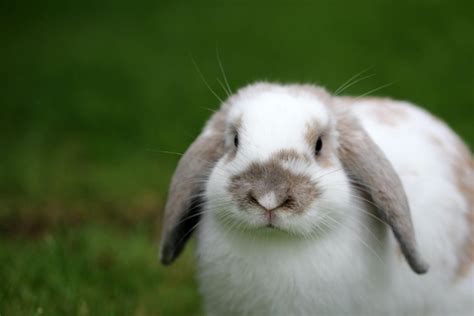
(93, 91)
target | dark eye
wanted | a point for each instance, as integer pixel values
(319, 146)
(236, 140)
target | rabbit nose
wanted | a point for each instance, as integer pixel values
(269, 201)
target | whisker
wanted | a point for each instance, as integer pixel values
(355, 82)
(319, 177)
(356, 236)
(376, 89)
(205, 81)
(211, 164)
(343, 86)
(361, 199)
(188, 232)
(223, 72)
(223, 87)
(164, 152)
(209, 109)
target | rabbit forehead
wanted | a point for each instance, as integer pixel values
(278, 118)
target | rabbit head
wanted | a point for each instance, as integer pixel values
(281, 158)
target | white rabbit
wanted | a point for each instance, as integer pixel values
(293, 194)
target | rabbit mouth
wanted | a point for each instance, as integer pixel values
(271, 226)
(270, 218)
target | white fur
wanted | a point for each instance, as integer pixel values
(333, 259)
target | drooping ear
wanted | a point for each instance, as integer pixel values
(365, 162)
(187, 185)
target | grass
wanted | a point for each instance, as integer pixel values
(92, 91)
(93, 270)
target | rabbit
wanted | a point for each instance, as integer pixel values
(306, 203)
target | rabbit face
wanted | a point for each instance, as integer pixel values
(280, 170)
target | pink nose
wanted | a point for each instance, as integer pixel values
(270, 201)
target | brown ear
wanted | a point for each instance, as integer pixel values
(365, 162)
(182, 210)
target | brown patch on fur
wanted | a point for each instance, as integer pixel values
(436, 141)
(355, 101)
(388, 113)
(467, 259)
(463, 171)
(294, 192)
(311, 137)
(291, 154)
(385, 110)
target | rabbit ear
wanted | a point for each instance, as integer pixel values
(365, 162)
(187, 186)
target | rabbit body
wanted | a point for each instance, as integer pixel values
(357, 268)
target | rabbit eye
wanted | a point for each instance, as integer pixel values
(236, 140)
(319, 146)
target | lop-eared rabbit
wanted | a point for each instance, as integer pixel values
(305, 203)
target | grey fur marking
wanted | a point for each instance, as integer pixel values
(183, 204)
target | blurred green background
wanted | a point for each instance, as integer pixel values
(93, 91)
